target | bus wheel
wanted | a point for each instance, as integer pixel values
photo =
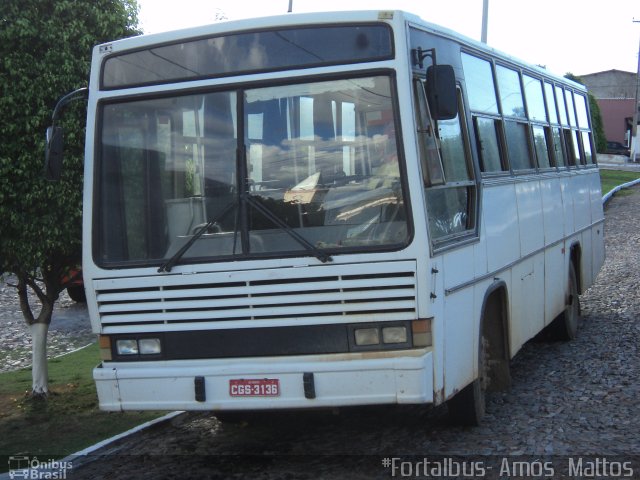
(565, 326)
(468, 406)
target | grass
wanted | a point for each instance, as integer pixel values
(68, 421)
(612, 178)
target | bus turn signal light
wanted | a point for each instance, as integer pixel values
(421, 332)
(104, 342)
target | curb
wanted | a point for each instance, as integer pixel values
(608, 195)
(58, 468)
(89, 450)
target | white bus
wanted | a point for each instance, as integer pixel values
(332, 209)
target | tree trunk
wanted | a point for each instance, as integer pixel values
(39, 370)
(39, 328)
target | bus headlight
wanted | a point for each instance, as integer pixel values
(127, 347)
(140, 346)
(367, 336)
(383, 335)
(149, 346)
(394, 335)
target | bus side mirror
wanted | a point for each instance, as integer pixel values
(441, 92)
(53, 154)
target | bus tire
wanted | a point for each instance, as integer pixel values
(468, 406)
(565, 326)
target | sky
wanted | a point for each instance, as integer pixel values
(576, 36)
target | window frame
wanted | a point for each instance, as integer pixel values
(471, 230)
(526, 127)
(500, 144)
(528, 103)
(499, 67)
(97, 217)
(547, 134)
(557, 134)
(591, 155)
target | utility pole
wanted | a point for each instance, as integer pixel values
(485, 20)
(634, 127)
(290, 6)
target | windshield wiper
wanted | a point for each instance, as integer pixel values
(169, 264)
(312, 249)
(315, 251)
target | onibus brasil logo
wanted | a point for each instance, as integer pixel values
(31, 468)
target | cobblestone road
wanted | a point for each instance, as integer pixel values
(578, 398)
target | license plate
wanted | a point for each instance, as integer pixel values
(258, 387)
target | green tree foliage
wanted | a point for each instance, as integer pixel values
(597, 126)
(45, 52)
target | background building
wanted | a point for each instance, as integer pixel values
(615, 92)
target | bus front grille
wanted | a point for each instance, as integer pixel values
(278, 297)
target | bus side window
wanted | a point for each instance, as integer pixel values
(541, 142)
(454, 146)
(488, 138)
(560, 156)
(432, 170)
(450, 202)
(573, 151)
(487, 120)
(586, 142)
(517, 139)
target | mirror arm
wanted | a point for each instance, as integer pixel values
(54, 142)
(418, 55)
(78, 94)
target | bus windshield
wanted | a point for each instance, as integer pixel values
(320, 159)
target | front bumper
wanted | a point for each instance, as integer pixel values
(339, 380)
